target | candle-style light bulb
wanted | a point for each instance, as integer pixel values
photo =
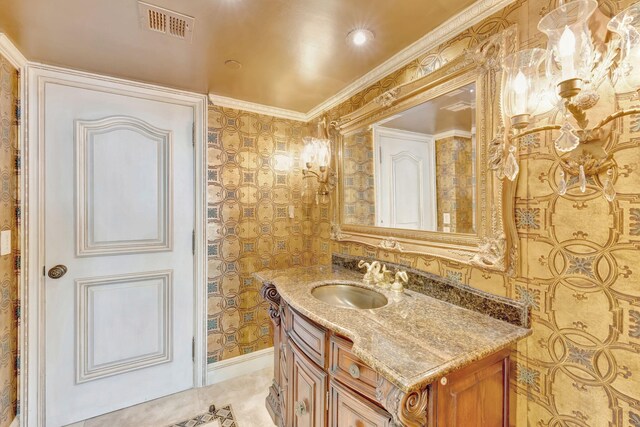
(520, 83)
(567, 43)
(566, 49)
(324, 154)
(520, 88)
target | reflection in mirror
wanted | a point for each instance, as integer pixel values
(416, 169)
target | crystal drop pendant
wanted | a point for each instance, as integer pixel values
(567, 140)
(582, 179)
(511, 167)
(562, 185)
(608, 191)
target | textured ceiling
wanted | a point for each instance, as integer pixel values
(293, 52)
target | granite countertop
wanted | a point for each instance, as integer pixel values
(412, 341)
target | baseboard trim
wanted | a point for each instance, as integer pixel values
(241, 365)
(14, 423)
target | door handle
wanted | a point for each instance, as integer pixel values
(58, 271)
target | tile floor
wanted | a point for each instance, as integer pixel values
(246, 395)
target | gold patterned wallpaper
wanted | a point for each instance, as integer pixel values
(455, 183)
(579, 258)
(9, 264)
(254, 177)
(358, 179)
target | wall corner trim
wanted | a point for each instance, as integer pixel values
(238, 366)
(11, 52)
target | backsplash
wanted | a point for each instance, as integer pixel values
(451, 291)
(579, 259)
(9, 264)
(254, 177)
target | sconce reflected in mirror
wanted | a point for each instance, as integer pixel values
(317, 154)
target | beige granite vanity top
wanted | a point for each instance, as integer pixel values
(412, 341)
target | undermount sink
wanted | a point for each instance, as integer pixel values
(349, 296)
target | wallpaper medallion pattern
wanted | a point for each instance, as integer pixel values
(579, 259)
(9, 264)
(254, 179)
(455, 183)
(358, 170)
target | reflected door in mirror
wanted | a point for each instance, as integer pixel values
(406, 179)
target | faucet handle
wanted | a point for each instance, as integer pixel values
(400, 279)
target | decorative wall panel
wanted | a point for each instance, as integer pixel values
(254, 177)
(106, 344)
(9, 264)
(105, 181)
(579, 260)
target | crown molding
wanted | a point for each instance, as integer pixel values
(11, 52)
(238, 104)
(455, 25)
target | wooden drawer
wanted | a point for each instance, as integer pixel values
(311, 338)
(350, 370)
(351, 410)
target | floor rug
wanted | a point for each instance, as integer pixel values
(217, 416)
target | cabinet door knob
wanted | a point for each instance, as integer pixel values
(300, 408)
(58, 271)
(443, 380)
(354, 371)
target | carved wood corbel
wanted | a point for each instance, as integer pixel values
(270, 293)
(407, 409)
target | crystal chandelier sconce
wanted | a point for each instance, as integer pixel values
(317, 154)
(567, 75)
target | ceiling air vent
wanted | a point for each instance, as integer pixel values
(154, 18)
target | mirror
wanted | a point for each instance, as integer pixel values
(415, 170)
(418, 164)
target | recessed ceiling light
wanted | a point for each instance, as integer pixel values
(360, 36)
(233, 64)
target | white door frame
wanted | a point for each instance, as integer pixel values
(32, 336)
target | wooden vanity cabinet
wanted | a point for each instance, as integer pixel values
(307, 392)
(478, 392)
(319, 382)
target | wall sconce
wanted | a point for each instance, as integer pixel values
(573, 71)
(317, 152)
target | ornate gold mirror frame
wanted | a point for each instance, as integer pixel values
(494, 245)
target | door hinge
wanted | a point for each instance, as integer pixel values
(193, 242)
(193, 134)
(44, 270)
(193, 349)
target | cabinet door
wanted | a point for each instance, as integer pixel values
(479, 392)
(348, 409)
(307, 391)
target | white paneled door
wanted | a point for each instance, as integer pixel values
(405, 175)
(118, 188)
